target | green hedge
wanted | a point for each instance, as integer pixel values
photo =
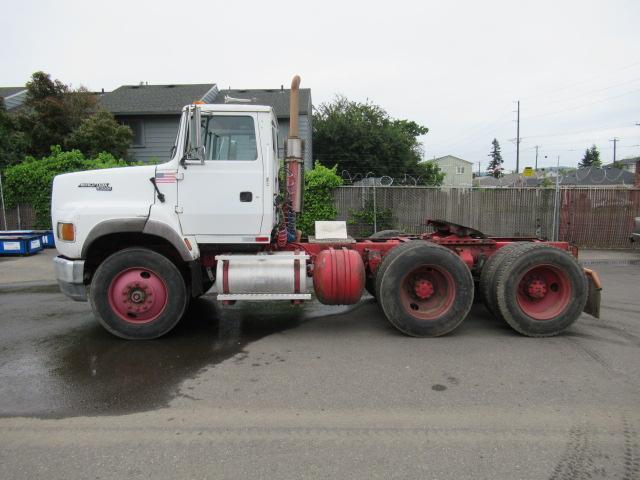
(31, 181)
(319, 184)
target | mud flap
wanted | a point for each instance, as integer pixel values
(592, 307)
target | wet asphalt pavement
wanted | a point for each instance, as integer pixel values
(274, 391)
(58, 362)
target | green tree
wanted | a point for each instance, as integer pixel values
(13, 142)
(618, 164)
(100, 133)
(591, 158)
(362, 138)
(495, 164)
(52, 111)
(428, 172)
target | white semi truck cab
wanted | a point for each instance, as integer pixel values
(140, 242)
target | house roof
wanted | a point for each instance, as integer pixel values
(154, 99)
(598, 176)
(170, 99)
(627, 161)
(589, 176)
(452, 156)
(8, 91)
(277, 98)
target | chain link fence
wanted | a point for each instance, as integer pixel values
(588, 217)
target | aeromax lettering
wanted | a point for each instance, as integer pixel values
(101, 187)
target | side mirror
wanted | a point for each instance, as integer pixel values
(195, 148)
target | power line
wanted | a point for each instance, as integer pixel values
(582, 106)
(562, 134)
(595, 91)
(582, 82)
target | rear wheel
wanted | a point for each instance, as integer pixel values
(487, 286)
(138, 294)
(426, 290)
(540, 290)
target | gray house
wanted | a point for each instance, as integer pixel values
(458, 172)
(628, 164)
(153, 113)
(13, 97)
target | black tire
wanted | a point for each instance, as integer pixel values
(487, 284)
(389, 258)
(405, 312)
(570, 289)
(387, 234)
(370, 282)
(175, 293)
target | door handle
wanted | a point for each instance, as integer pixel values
(246, 196)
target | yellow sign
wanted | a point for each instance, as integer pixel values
(527, 172)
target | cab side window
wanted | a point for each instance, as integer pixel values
(229, 137)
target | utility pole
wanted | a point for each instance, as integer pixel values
(518, 141)
(615, 141)
(478, 168)
(537, 146)
(556, 205)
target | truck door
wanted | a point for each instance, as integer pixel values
(223, 195)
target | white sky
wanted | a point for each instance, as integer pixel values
(456, 67)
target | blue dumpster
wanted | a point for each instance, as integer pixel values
(20, 244)
(47, 238)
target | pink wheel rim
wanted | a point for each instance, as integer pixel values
(427, 292)
(544, 292)
(137, 295)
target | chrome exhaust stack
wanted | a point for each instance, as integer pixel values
(294, 152)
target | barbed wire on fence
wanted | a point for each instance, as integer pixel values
(369, 179)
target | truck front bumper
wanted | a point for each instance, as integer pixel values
(69, 274)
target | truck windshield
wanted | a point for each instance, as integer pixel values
(228, 137)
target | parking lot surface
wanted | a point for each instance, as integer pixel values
(264, 391)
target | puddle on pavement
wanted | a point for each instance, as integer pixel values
(87, 371)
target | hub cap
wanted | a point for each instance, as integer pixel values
(544, 292)
(427, 292)
(137, 295)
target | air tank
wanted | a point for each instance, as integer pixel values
(338, 276)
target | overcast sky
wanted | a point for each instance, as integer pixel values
(456, 67)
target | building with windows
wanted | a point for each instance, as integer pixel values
(458, 172)
(153, 113)
(13, 97)
(628, 164)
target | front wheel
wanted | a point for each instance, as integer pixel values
(138, 294)
(426, 291)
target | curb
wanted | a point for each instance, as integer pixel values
(30, 287)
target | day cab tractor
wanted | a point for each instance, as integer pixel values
(140, 242)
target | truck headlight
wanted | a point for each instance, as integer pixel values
(66, 231)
